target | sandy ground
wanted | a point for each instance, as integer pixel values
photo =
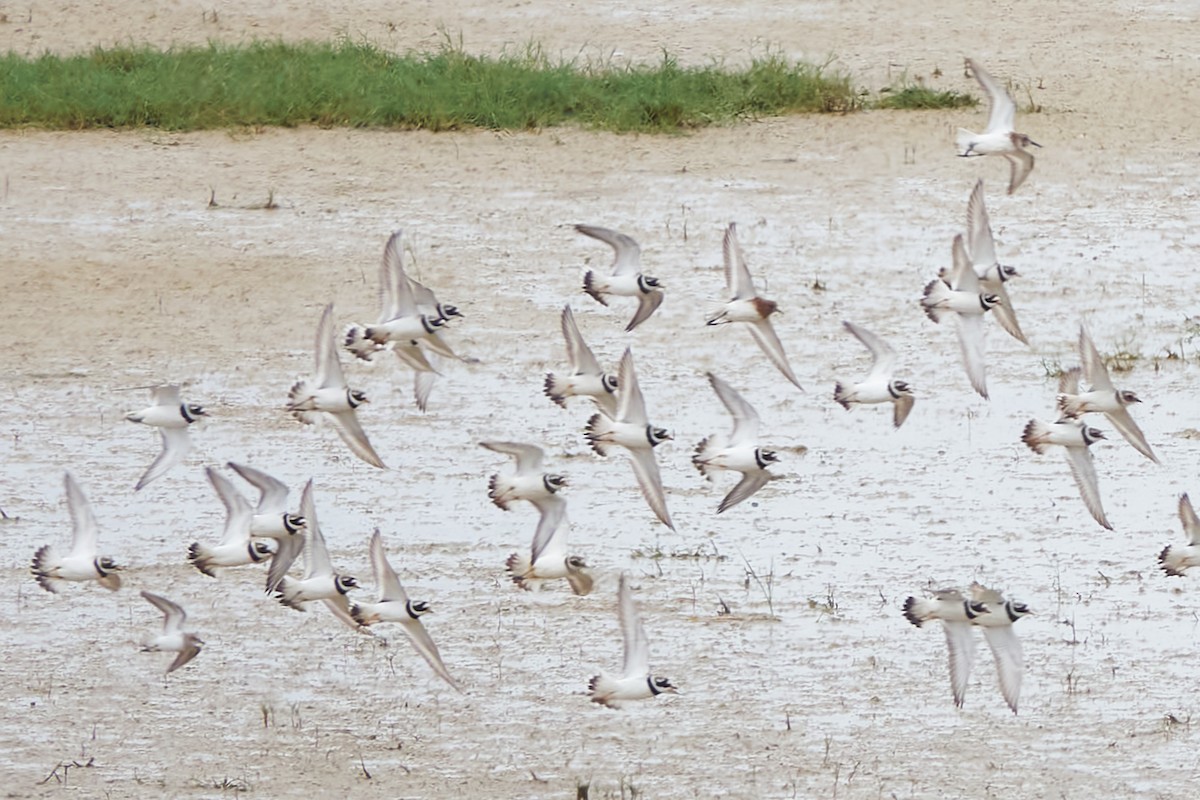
(118, 273)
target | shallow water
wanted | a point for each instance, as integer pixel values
(813, 685)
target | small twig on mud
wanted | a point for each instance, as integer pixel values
(65, 767)
(765, 589)
(362, 765)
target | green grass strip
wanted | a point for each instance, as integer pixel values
(358, 85)
(916, 96)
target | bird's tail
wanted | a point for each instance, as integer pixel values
(287, 595)
(518, 567)
(361, 616)
(702, 453)
(1036, 436)
(358, 343)
(842, 395)
(494, 495)
(589, 286)
(936, 293)
(42, 571)
(965, 140)
(300, 402)
(200, 556)
(1070, 405)
(915, 611)
(1172, 561)
(555, 390)
(599, 427)
(601, 688)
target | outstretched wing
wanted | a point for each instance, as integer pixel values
(737, 274)
(883, 357)
(960, 647)
(386, 582)
(527, 456)
(237, 509)
(750, 483)
(552, 527)
(175, 446)
(970, 340)
(648, 303)
(348, 427)
(645, 468)
(1123, 422)
(979, 231)
(745, 418)
(1084, 472)
(1191, 525)
(83, 521)
(422, 642)
(1010, 661)
(166, 395)
(764, 334)
(1094, 371)
(1021, 164)
(173, 615)
(631, 406)
(316, 555)
(395, 292)
(272, 492)
(1003, 109)
(579, 355)
(329, 367)
(628, 255)
(637, 646)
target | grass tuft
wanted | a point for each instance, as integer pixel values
(915, 96)
(350, 84)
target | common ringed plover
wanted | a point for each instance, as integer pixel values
(635, 682)
(173, 638)
(745, 305)
(82, 563)
(880, 385)
(394, 605)
(739, 451)
(999, 138)
(627, 278)
(327, 395)
(172, 417)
